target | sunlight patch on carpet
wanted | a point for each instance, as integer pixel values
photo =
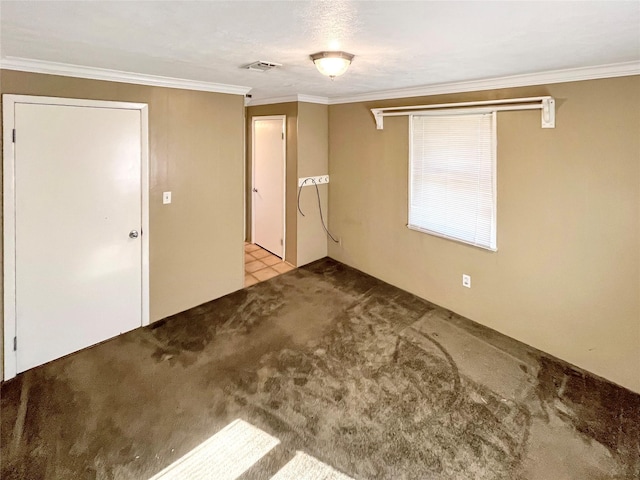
(305, 467)
(225, 456)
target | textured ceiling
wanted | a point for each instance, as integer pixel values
(397, 44)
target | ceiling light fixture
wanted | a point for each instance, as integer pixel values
(332, 64)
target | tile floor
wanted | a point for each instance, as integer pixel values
(261, 265)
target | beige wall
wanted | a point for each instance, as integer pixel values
(290, 110)
(565, 279)
(313, 160)
(196, 151)
(566, 276)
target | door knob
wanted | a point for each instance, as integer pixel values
(255, 190)
(133, 234)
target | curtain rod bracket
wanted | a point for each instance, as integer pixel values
(548, 112)
(377, 114)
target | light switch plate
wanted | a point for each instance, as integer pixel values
(166, 198)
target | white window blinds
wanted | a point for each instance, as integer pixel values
(452, 184)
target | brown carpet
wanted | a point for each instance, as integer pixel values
(367, 378)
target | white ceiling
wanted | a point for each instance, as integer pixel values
(397, 44)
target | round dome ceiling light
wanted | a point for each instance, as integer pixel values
(332, 64)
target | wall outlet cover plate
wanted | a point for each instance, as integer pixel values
(309, 181)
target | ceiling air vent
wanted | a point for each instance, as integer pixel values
(262, 66)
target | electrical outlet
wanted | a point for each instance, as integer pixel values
(466, 280)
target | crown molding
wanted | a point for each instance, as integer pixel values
(313, 99)
(289, 98)
(268, 101)
(541, 78)
(93, 73)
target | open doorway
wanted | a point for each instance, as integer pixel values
(264, 256)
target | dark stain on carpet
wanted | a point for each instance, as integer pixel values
(361, 375)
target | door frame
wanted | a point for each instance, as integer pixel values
(283, 118)
(9, 102)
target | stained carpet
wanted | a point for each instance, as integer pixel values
(362, 377)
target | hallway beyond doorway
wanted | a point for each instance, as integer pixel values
(261, 265)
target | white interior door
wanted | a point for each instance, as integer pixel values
(268, 183)
(78, 225)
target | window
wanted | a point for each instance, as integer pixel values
(452, 177)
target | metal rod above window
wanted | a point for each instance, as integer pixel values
(546, 104)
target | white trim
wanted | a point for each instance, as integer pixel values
(244, 182)
(9, 102)
(253, 181)
(10, 366)
(313, 99)
(523, 80)
(272, 100)
(541, 78)
(144, 186)
(284, 186)
(290, 98)
(94, 73)
(284, 177)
